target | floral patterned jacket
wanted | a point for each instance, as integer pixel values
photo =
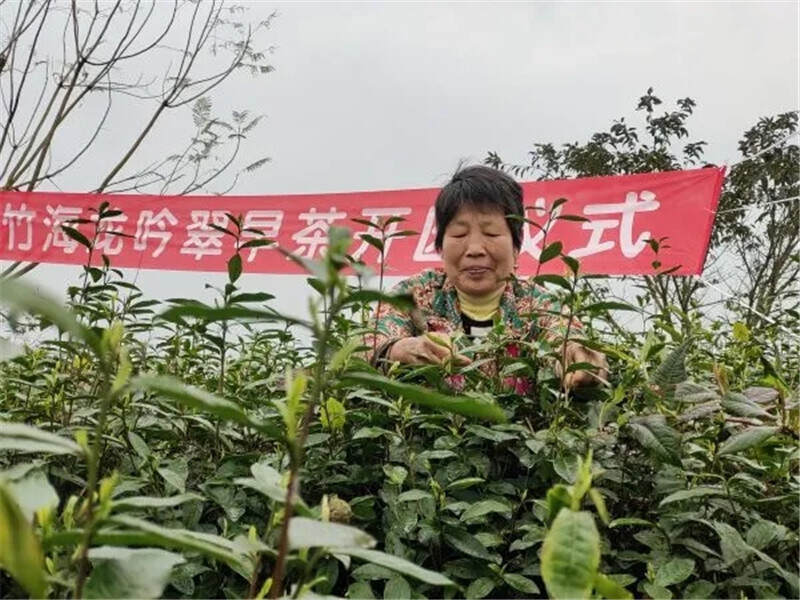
(524, 308)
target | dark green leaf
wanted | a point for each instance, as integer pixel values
(480, 588)
(521, 583)
(77, 236)
(695, 492)
(554, 279)
(601, 306)
(750, 437)
(550, 252)
(401, 301)
(658, 438)
(234, 267)
(464, 542)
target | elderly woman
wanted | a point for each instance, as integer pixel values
(479, 216)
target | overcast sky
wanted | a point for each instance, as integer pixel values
(392, 95)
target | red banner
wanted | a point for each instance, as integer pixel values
(618, 218)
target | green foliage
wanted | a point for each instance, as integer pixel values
(203, 446)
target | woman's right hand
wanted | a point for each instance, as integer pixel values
(427, 349)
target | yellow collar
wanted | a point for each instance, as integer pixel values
(480, 308)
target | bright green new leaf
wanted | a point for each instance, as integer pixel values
(600, 504)
(570, 555)
(558, 497)
(608, 588)
(333, 415)
(20, 551)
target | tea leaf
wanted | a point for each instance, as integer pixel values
(570, 555)
(695, 492)
(462, 405)
(413, 495)
(468, 544)
(32, 492)
(520, 583)
(193, 397)
(658, 437)
(154, 502)
(146, 533)
(480, 588)
(234, 267)
(21, 296)
(309, 533)
(398, 588)
(675, 571)
(25, 438)
(20, 552)
(175, 473)
(128, 573)
(550, 252)
(750, 437)
(484, 507)
(398, 564)
(608, 588)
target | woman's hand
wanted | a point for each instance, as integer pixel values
(427, 349)
(577, 353)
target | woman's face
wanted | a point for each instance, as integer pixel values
(478, 251)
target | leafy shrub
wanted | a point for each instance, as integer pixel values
(157, 449)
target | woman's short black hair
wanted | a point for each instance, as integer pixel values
(484, 189)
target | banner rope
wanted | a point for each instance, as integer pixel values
(760, 205)
(763, 151)
(767, 318)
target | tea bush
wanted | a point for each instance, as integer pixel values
(183, 449)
